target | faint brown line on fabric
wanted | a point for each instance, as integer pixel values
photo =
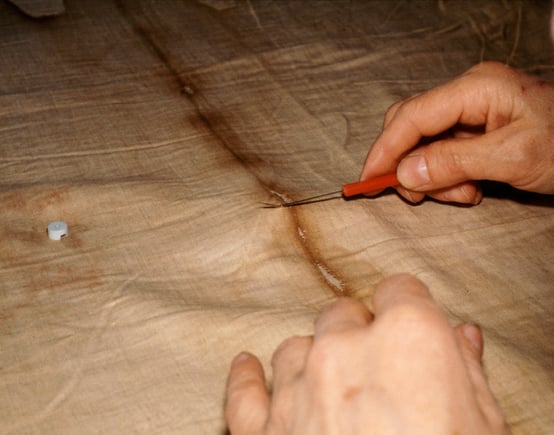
(98, 152)
(451, 233)
(516, 36)
(146, 37)
(72, 381)
(215, 123)
(324, 271)
(254, 14)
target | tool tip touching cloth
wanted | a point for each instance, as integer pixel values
(368, 186)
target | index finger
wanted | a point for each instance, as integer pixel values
(409, 298)
(247, 401)
(343, 314)
(428, 114)
(465, 100)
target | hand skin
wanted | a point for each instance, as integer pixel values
(491, 123)
(402, 369)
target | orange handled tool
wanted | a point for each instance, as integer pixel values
(370, 185)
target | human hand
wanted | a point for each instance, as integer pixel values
(491, 123)
(400, 370)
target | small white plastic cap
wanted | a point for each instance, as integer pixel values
(57, 230)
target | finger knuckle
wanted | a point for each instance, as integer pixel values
(447, 163)
(391, 111)
(286, 347)
(322, 361)
(420, 320)
(490, 68)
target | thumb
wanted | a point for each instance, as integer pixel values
(449, 162)
(247, 405)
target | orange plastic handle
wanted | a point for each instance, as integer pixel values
(370, 186)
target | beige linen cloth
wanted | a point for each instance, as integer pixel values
(156, 129)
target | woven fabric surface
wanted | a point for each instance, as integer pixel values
(156, 130)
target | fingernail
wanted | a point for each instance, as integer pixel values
(473, 335)
(241, 357)
(478, 197)
(475, 199)
(407, 194)
(412, 172)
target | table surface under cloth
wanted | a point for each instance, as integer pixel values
(156, 129)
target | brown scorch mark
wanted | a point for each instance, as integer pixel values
(208, 119)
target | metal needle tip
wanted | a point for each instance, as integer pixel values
(318, 198)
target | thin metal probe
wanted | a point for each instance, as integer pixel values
(310, 200)
(368, 186)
